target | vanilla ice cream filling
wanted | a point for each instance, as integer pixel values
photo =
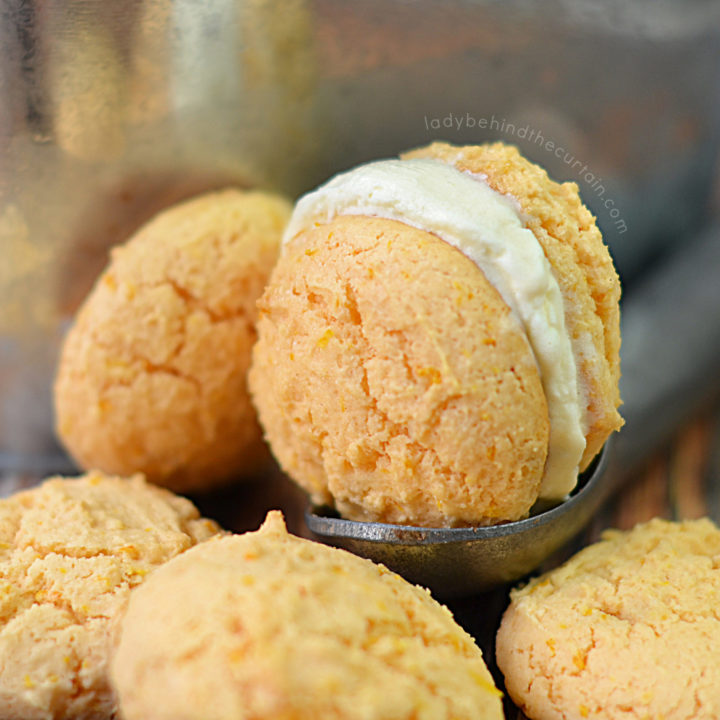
(487, 227)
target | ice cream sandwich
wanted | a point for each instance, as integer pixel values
(439, 341)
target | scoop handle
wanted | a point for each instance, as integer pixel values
(670, 356)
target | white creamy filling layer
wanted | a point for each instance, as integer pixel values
(486, 226)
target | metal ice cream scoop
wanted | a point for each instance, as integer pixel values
(460, 561)
(670, 357)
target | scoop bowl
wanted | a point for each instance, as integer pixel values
(454, 562)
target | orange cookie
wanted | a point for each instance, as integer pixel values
(152, 376)
(580, 262)
(71, 552)
(267, 626)
(438, 344)
(628, 628)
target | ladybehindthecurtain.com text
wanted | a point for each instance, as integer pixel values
(535, 136)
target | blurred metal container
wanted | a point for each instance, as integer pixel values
(111, 110)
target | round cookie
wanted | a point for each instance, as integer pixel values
(438, 344)
(373, 361)
(152, 375)
(71, 550)
(572, 242)
(273, 627)
(627, 628)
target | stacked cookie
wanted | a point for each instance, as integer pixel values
(439, 340)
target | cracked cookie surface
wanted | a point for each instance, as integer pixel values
(627, 628)
(582, 265)
(152, 376)
(71, 550)
(390, 374)
(267, 626)
(393, 381)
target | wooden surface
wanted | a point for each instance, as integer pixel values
(680, 481)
